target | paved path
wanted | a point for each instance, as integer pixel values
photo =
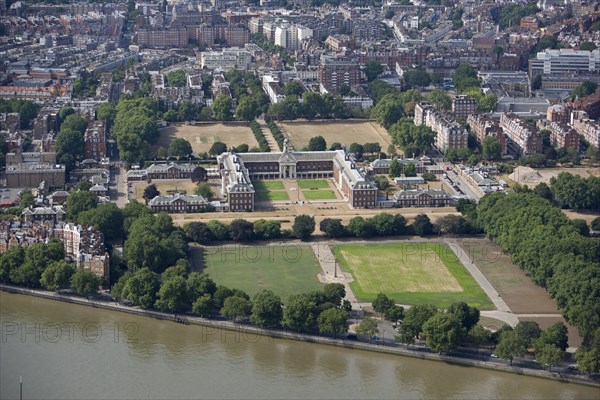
(332, 272)
(478, 276)
(268, 135)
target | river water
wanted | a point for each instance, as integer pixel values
(69, 351)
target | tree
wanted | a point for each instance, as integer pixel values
(497, 51)
(221, 108)
(205, 190)
(549, 355)
(511, 345)
(388, 110)
(236, 306)
(394, 313)
(85, 282)
(595, 224)
(217, 148)
(336, 146)
(367, 327)
(74, 122)
(382, 303)
(466, 315)
(267, 310)
(492, 148)
(414, 318)
(334, 293)
(588, 360)
(304, 226)
(360, 227)
(141, 288)
(179, 147)
(198, 232)
(150, 192)
(487, 103)
(443, 332)
(381, 182)
(317, 143)
(200, 284)
(57, 275)
(465, 76)
(388, 225)
(546, 42)
(69, 147)
(416, 78)
(410, 170)
(241, 230)
(478, 335)
(267, 229)
(422, 225)
(300, 312)
(543, 190)
(395, 169)
(332, 320)
(176, 78)
(414, 140)
(373, 69)
(218, 229)
(247, 109)
(107, 112)
(172, 295)
(79, 202)
(332, 227)
(555, 335)
(585, 89)
(581, 226)
(203, 305)
(357, 149)
(27, 199)
(440, 100)
(379, 89)
(590, 46)
(107, 218)
(293, 87)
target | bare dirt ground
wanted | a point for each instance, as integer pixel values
(533, 176)
(587, 216)
(201, 137)
(522, 296)
(346, 133)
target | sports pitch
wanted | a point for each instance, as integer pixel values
(202, 136)
(410, 273)
(286, 270)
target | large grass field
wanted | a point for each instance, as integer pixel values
(410, 273)
(270, 196)
(313, 184)
(268, 185)
(318, 194)
(285, 270)
(202, 136)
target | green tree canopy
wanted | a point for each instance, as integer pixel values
(303, 227)
(317, 143)
(367, 327)
(57, 275)
(443, 332)
(179, 147)
(85, 282)
(267, 309)
(332, 320)
(236, 306)
(221, 108)
(373, 69)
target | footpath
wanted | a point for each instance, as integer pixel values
(212, 327)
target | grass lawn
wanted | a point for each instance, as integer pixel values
(410, 273)
(285, 270)
(268, 185)
(313, 184)
(270, 196)
(318, 194)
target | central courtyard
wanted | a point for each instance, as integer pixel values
(296, 190)
(410, 273)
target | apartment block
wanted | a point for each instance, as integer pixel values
(589, 129)
(561, 134)
(522, 137)
(463, 106)
(336, 73)
(483, 126)
(226, 59)
(449, 133)
(94, 141)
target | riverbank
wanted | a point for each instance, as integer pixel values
(239, 329)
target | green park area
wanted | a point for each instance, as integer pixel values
(410, 273)
(318, 194)
(313, 184)
(270, 196)
(268, 185)
(286, 270)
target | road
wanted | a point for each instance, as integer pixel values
(460, 181)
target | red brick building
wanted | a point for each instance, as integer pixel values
(94, 140)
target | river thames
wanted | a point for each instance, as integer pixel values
(70, 351)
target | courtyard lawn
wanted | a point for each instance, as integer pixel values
(313, 184)
(271, 196)
(318, 194)
(268, 185)
(410, 273)
(285, 270)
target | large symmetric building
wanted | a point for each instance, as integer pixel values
(523, 138)
(238, 170)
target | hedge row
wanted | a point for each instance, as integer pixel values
(276, 133)
(260, 136)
